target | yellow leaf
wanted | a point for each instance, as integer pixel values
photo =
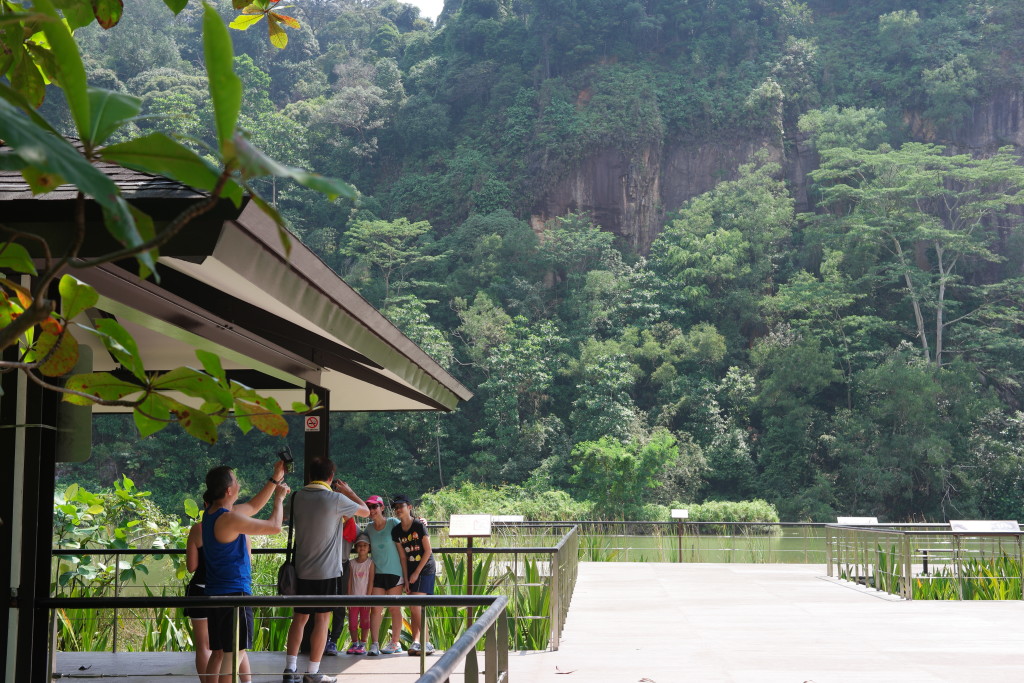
(285, 19)
(243, 22)
(278, 38)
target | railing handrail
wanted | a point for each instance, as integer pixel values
(465, 644)
(212, 601)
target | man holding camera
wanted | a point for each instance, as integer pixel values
(318, 518)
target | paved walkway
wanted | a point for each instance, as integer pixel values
(676, 623)
(703, 623)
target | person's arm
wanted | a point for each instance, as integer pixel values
(257, 502)
(373, 575)
(195, 540)
(344, 489)
(232, 523)
(424, 558)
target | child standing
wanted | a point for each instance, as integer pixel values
(418, 568)
(360, 579)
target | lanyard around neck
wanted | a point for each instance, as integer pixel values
(317, 482)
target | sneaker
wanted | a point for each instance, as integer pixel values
(374, 651)
(430, 649)
(392, 649)
(414, 649)
(331, 649)
(360, 650)
(319, 678)
(291, 677)
(352, 648)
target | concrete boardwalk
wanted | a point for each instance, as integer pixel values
(670, 623)
(676, 623)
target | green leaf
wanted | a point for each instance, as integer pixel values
(16, 258)
(71, 491)
(176, 5)
(61, 360)
(282, 233)
(120, 222)
(75, 296)
(77, 13)
(264, 419)
(242, 418)
(161, 155)
(244, 21)
(108, 12)
(191, 509)
(9, 161)
(17, 100)
(110, 110)
(39, 181)
(194, 383)
(225, 85)
(53, 154)
(26, 79)
(211, 363)
(152, 415)
(253, 163)
(195, 422)
(122, 346)
(70, 71)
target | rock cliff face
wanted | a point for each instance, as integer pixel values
(631, 194)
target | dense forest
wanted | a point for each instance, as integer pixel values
(681, 250)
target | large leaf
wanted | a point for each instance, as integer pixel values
(110, 110)
(120, 221)
(75, 297)
(108, 12)
(26, 79)
(62, 359)
(101, 385)
(278, 37)
(264, 420)
(122, 346)
(15, 257)
(243, 21)
(70, 71)
(211, 363)
(225, 85)
(195, 422)
(152, 415)
(55, 155)
(253, 163)
(41, 182)
(176, 5)
(160, 154)
(78, 12)
(194, 383)
(16, 99)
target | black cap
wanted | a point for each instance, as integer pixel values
(400, 498)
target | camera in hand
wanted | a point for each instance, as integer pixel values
(285, 454)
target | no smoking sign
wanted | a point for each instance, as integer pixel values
(312, 423)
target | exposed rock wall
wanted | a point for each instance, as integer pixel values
(631, 194)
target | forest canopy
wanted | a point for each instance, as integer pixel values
(845, 340)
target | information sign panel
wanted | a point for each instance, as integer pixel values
(856, 521)
(984, 525)
(680, 514)
(468, 526)
(507, 518)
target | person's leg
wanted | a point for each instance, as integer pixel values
(364, 623)
(201, 642)
(415, 619)
(353, 623)
(318, 639)
(376, 616)
(338, 615)
(396, 618)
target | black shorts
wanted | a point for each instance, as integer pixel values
(386, 581)
(221, 637)
(316, 587)
(195, 590)
(424, 584)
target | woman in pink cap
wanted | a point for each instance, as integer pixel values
(387, 578)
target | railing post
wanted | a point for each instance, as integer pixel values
(828, 551)
(554, 603)
(236, 662)
(491, 655)
(472, 668)
(502, 643)
(117, 594)
(908, 569)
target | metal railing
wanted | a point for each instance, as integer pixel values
(928, 561)
(490, 626)
(557, 576)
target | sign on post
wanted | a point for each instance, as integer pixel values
(984, 525)
(312, 423)
(680, 514)
(856, 521)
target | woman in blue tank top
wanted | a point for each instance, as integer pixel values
(225, 528)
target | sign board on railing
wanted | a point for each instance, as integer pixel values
(507, 518)
(984, 525)
(469, 526)
(680, 514)
(856, 521)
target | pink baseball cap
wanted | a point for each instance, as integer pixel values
(375, 500)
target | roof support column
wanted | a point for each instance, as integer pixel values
(317, 443)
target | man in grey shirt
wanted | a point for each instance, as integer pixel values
(318, 517)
